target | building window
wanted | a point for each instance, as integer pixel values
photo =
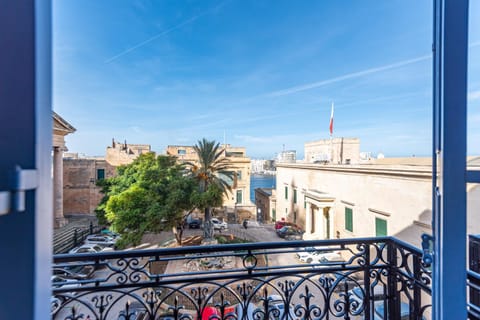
(286, 192)
(380, 227)
(294, 195)
(239, 197)
(100, 174)
(182, 152)
(349, 219)
(239, 174)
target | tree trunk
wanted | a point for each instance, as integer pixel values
(207, 225)
(178, 234)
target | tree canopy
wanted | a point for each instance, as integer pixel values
(149, 195)
(156, 193)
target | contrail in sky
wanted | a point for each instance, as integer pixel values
(347, 76)
(164, 32)
(322, 83)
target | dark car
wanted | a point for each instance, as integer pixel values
(74, 272)
(195, 224)
(290, 233)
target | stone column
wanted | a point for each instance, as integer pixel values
(308, 220)
(58, 186)
(330, 214)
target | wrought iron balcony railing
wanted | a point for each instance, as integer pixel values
(367, 278)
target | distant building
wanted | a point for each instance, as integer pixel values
(237, 204)
(265, 201)
(262, 166)
(123, 153)
(287, 156)
(80, 176)
(335, 151)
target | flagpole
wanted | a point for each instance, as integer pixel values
(331, 133)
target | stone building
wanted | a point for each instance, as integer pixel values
(265, 200)
(238, 197)
(336, 151)
(61, 128)
(81, 193)
(381, 197)
(124, 153)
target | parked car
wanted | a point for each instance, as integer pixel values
(219, 225)
(282, 223)
(109, 233)
(59, 282)
(316, 256)
(210, 313)
(90, 248)
(357, 295)
(277, 308)
(74, 272)
(55, 304)
(195, 224)
(379, 311)
(290, 233)
(101, 240)
(136, 311)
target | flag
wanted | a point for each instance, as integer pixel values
(331, 121)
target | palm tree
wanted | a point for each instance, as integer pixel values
(213, 173)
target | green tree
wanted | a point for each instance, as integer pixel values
(213, 175)
(151, 194)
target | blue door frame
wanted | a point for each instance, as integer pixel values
(449, 158)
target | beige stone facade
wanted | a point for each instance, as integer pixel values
(123, 153)
(240, 193)
(334, 151)
(376, 198)
(61, 128)
(265, 200)
(81, 194)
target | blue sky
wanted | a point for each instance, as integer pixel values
(262, 72)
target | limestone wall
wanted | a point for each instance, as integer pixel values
(80, 193)
(399, 197)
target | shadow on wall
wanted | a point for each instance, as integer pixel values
(423, 224)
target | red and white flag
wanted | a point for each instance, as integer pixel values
(331, 122)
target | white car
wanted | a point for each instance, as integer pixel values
(59, 282)
(319, 256)
(276, 308)
(101, 240)
(90, 248)
(219, 225)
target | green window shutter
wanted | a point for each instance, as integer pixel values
(100, 174)
(304, 202)
(380, 227)
(294, 196)
(349, 219)
(274, 215)
(286, 192)
(239, 196)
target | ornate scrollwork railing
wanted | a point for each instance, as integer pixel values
(374, 278)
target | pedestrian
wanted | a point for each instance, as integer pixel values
(245, 222)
